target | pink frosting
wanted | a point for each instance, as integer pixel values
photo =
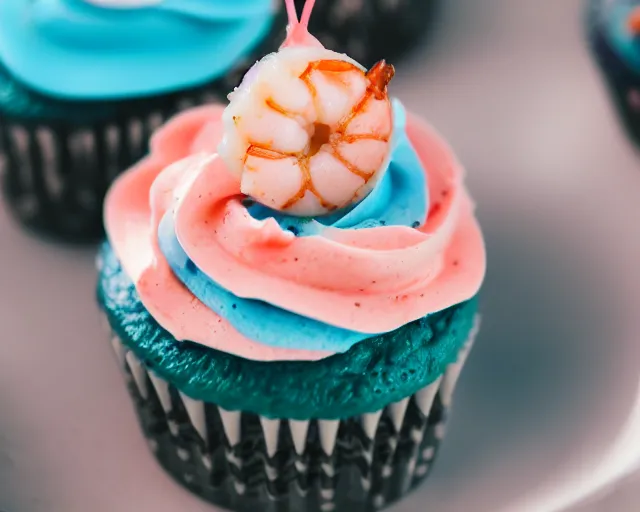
(368, 280)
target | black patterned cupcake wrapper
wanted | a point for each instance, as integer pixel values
(56, 175)
(623, 83)
(370, 30)
(246, 462)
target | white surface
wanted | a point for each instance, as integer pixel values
(547, 396)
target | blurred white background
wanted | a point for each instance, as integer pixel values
(543, 410)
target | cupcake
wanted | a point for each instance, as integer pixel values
(290, 286)
(369, 30)
(614, 35)
(83, 84)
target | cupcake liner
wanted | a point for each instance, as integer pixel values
(57, 174)
(243, 461)
(370, 30)
(622, 82)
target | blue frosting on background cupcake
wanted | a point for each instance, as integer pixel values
(97, 49)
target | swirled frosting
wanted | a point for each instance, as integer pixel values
(617, 25)
(241, 279)
(104, 49)
(373, 373)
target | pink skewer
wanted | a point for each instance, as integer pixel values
(297, 31)
(291, 13)
(306, 13)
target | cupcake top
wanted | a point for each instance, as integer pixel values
(622, 29)
(111, 49)
(309, 216)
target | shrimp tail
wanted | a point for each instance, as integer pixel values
(379, 77)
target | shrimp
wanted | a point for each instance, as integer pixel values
(309, 130)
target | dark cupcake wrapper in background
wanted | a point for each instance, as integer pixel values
(371, 30)
(57, 173)
(245, 462)
(622, 82)
(58, 158)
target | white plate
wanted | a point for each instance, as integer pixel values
(554, 375)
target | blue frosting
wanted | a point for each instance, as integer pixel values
(74, 49)
(257, 320)
(399, 199)
(625, 44)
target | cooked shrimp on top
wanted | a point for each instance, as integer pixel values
(309, 130)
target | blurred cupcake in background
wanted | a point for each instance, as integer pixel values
(290, 286)
(83, 83)
(369, 30)
(614, 34)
